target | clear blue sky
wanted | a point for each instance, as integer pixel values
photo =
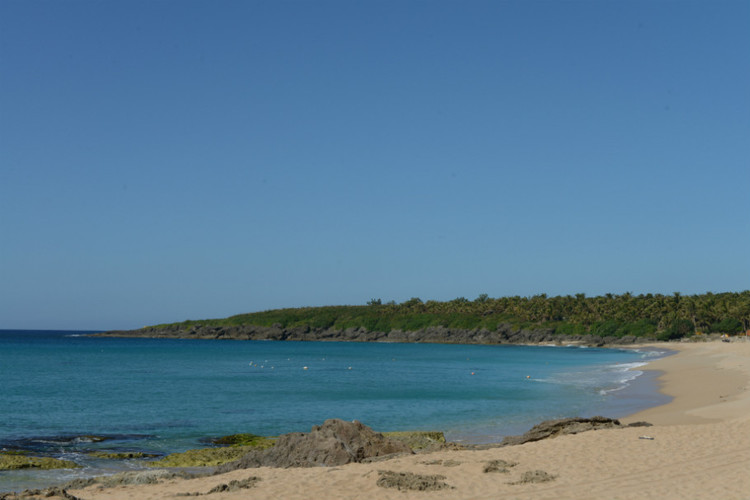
(171, 160)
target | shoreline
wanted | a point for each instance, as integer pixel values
(699, 395)
(504, 334)
(698, 447)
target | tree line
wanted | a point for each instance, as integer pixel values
(651, 315)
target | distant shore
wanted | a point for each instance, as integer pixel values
(503, 334)
(699, 447)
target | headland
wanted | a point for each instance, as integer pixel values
(605, 320)
(502, 334)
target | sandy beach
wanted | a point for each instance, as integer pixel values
(698, 448)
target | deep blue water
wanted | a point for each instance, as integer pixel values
(162, 396)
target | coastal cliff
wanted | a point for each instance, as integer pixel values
(503, 334)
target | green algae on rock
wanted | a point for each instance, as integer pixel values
(418, 440)
(205, 457)
(12, 461)
(230, 448)
(254, 440)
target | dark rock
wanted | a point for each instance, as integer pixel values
(234, 485)
(53, 492)
(225, 487)
(336, 442)
(128, 478)
(554, 428)
(410, 481)
(122, 455)
(383, 458)
(639, 424)
(535, 476)
(499, 466)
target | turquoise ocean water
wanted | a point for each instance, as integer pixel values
(161, 396)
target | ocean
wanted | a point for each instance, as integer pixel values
(59, 389)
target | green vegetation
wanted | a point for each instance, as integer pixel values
(727, 325)
(651, 315)
(12, 461)
(232, 448)
(417, 440)
(206, 457)
(253, 440)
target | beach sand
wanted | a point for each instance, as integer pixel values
(700, 450)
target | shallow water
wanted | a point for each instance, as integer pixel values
(161, 396)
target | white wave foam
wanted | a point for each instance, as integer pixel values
(623, 383)
(624, 367)
(603, 379)
(624, 374)
(651, 353)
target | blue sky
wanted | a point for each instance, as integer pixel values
(171, 160)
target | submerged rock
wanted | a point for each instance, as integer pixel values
(79, 443)
(336, 442)
(121, 455)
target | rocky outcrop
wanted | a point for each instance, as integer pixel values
(336, 442)
(52, 492)
(12, 461)
(230, 487)
(504, 334)
(129, 478)
(554, 428)
(406, 481)
(502, 466)
(535, 476)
